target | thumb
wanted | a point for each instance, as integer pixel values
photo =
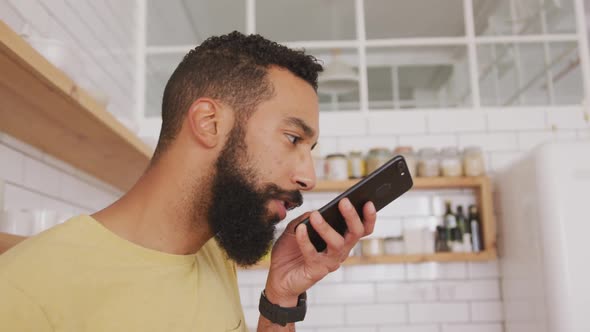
(293, 224)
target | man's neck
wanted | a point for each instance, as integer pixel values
(157, 213)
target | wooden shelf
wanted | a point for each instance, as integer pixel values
(400, 259)
(483, 192)
(419, 183)
(41, 106)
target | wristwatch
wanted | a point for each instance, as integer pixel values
(280, 315)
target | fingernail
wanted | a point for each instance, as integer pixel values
(347, 203)
(318, 218)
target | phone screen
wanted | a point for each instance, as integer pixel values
(381, 187)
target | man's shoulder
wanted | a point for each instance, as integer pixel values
(45, 251)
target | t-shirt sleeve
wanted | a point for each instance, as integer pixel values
(19, 313)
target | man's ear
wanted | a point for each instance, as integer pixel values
(204, 117)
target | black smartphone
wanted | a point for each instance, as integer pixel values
(381, 187)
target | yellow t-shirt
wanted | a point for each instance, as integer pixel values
(79, 276)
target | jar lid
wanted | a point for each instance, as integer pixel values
(355, 153)
(379, 150)
(335, 155)
(404, 149)
(472, 150)
(450, 151)
(428, 152)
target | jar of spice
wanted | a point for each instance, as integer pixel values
(451, 163)
(408, 153)
(428, 164)
(336, 167)
(376, 158)
(372, 246)
(356, 165)
(473, 162)
(394, 245)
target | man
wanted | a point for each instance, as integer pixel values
(239, 120)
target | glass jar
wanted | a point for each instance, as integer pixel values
(408, 153)
(428, 164)
(336, 167)
(394, 245)
(356, 165)
(451, 163)
(473, 162)
(372, 246)
(319, 165)
(376, 158)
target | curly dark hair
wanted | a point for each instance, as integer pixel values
(232, 69)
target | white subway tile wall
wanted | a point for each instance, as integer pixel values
(410, 328)
(37, 181)
(486, 311)
(101, 36)
(516, 119)
(567, 118)
(397, 122)
(456, 121)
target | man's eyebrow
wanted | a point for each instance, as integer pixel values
(297, 122)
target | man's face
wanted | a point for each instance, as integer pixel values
(262, 168)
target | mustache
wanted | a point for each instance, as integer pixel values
(293, 197)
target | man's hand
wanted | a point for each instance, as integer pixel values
(296, 265)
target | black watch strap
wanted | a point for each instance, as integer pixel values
(280, 315)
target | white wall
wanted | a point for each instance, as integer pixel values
(102, 35)
(427, 297)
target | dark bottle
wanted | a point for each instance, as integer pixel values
(461, 223)
(450, 223)
(441, 243)
(474, 222)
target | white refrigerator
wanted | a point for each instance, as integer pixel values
(544, 242)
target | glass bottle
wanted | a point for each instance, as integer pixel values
(450, 223)
(441, 244)
(461, 223)
(475, 224)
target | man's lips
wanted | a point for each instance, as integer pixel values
(282, 206)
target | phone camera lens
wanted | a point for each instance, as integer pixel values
(401, 167)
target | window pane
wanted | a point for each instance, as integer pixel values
(339, 94)
(528, 73)
(158, 70)
(399, 18)
(301, 20)
(180, 22)
(418, 77)
(523, 17)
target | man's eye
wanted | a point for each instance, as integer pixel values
(293, 139)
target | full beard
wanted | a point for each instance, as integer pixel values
(238, 215)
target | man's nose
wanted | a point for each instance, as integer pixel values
(304, 175)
